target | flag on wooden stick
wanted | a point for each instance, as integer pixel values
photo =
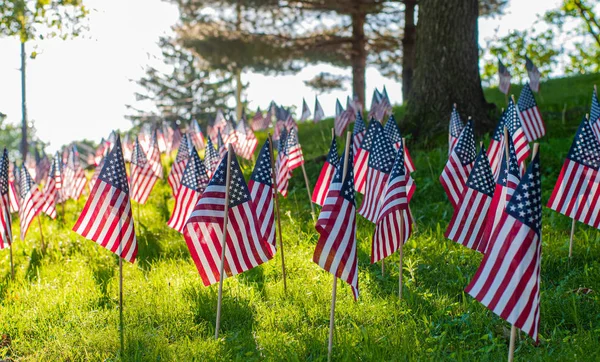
(31, 203)
(504, 76)
(281, 166)
(533, 125)
(262, 192)
(495, 151)
(516, 132)
(183, 155)
(211, 158)
(326, 176)
(5, 217)
(305, 111)
(362, 157)
(459, 165)
(143, 177)
(534, 74)
(319, 114)
(455, 128)
(392, 131)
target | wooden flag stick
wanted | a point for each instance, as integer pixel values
(12, 265)
(401, 255)
(334, 289)
(277, 214)
(383, 267)
(511, 346)
(223, 240)
(409, 209)
(312, 206)
(121, 329)
(571, 238)
(41, 233)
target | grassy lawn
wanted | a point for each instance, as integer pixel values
(63, 304)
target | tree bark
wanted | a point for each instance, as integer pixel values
(447, 69)
(408, 47)
(359, 55)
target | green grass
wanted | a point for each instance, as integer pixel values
(63, 305)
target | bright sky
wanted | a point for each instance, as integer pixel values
(79, 88)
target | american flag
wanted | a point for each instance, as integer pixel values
(319, 114)
(326, 175)
(106, 217)
(246, 248)
(342, 118)
(282, 169)
(127, 148)
(42, 166)
(13, 183)
(504, 76)
(576, 192)
(153, 156)
(259, 121)
(392, 131)
(454, 128)
(508, 179)
(394, 222)
(195, 133)
(31, 201)
(74, 180)
(379, 167)
(52, 188)
(534, 74)
(384, 107)
(142, 175)
(468, 221)
(5, 217)
(246, 140)
(183, 155)
(375, 100)
(595, 113)
(531, 118)
(211, 157)
(336, 249)
(515, 131)
(305, 111)
(294, 151)
(217, 124)
(358, 132)
(262, 192)
(459, 165)
(161, 140)
(191, 187)
(221, 145)
(508, 279)
(362, 156)
(497, 146)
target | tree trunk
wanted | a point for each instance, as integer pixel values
(447, 69)
(359, 55)
(24, 144)
(408, 47)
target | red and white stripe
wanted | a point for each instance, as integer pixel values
(323, 182)
(154, 159)
(361, 161)
(454, 178)
(494, 154)
(283, 174)
(142, 182)
(468, 222)
(376, 184)
(28, 210)
(185, 201)
(175, 175)
(533, 125)
(357, 140)
(295, 157)
(262, 198)
(5, 222)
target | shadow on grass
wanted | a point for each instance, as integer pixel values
(102, 276)
(35, 261)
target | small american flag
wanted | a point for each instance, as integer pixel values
(504, 76)
(454, 128)
(326, 175)
(384, 107)
(246, 248)
(459, 165)
(595, 114)
(211, 158)
(394, 222)
(183, 155)
(260, 121)
(294, 150)
(305, 111)
(282, 169)
(221, 145)
(143, 178)
(5, 217)
(51, 190)
(362, 156)
(42, 166)
(375, 100)
(576, 192)
(515, 131)
(75, 180)
(392, 131)
(508, 279)
(319, 114)
(262, 192)
(217, 124)
(358, 132)
(508, 179)
(468, 221)
(246, 140)
(191, 187)
(106, 217)
(336, 249)
(381, 161)
(341, 118)
(533, 125)
(13, 189)
(153, 156)
(534, 74)
(497, 146)
(196, 135)
(127, 148)
(31, 201)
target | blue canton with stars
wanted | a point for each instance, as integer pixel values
(283, 142)
(138, 157)
(399, 169)
(513, 169)
(481, 178)
(465, 147)
(595, 110)
(183, 153)
(55, 166)
(195, 176)
(347, 189)
(238, 190)
(292, 140)
(220, 142)
(585, 148)
(210, 154)
(381, 156)
(262, 169)
(456, 124)
(359, 124)
(499, 130)
(26, 182)
(332, 156)
(526, 203)
(526, 99)
(368, 139)
(511, 119)
(113, 171)
(4, 173)
(392, 131)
